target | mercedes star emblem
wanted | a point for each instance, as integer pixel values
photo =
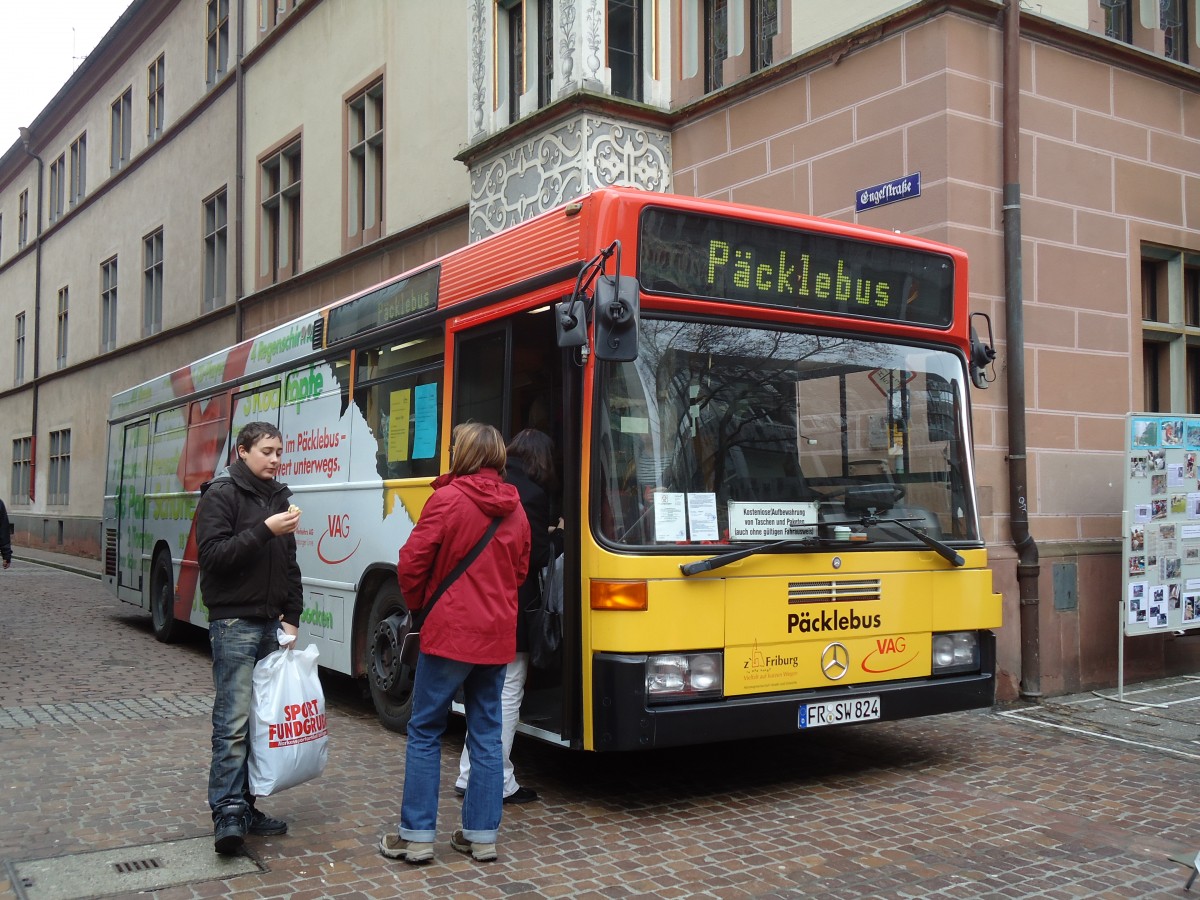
(835, 661)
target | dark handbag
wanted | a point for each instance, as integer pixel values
(545, 617)
(410, 644)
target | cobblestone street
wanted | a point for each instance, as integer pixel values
(104, 737)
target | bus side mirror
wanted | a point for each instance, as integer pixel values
(616, 314)
(570, 322)
(983, 354)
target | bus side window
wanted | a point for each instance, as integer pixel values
(398, 391)
(166, 449)
(481, 383)
(208, 430)
(260, 404)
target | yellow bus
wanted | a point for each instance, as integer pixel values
(762, 423)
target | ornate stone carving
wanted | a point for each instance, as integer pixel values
(562, 163)
(478, 65)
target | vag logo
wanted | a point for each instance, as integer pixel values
(333, 546)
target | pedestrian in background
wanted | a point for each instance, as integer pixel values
(467, 640)
(245, 531)
(529, 467)
(5, 536)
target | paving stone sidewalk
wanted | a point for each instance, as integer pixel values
(104, 745)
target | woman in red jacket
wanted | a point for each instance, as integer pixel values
(467, 640)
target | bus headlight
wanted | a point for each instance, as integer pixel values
(683, 676)
(955, 651)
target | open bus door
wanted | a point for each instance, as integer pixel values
(511, 374)
(131, 506)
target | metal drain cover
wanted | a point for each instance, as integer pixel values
(125, 870)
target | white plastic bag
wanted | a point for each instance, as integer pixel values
(288, 736)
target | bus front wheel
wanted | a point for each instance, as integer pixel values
(162, 601)
(390, 681)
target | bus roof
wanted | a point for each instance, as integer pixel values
(549, 248)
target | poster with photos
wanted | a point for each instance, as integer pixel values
(1161, 546)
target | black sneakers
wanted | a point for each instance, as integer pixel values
(522, 795)
(229, 833)
(261, 823)
(231, 826)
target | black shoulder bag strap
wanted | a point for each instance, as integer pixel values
(465, 563)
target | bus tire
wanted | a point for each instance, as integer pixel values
(389, 681)
(167, 628)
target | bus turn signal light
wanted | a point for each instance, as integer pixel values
(625, 595)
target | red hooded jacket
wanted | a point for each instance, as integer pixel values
(475, 620)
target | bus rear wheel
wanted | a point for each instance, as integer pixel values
(167, 628)
(389, 680)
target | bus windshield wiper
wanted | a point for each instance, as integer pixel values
(724, 559)
(945, 551)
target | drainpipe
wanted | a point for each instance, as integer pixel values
(27, 145)
(1018, 494)
(239, 174)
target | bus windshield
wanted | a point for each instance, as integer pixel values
(721, 433)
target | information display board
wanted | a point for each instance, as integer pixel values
(1161, 542)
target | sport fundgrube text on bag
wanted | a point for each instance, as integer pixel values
(410, 645)
(289, 741)
(545, 617)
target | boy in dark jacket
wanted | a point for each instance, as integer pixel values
(245, 532)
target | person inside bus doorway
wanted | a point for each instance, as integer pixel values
(467, 640)
(529, 467)
(5, 536)
(245, 531)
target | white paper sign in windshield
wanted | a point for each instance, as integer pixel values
(771, 521)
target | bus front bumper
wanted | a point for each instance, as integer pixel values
(624, 720)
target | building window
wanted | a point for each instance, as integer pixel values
(272, 12)
(716, 43)
(364, 133)
(625, 48)
(516, 57)
(279, 188)
(19, 350)
(218, 41)
(215, 242)
(152, 283)
(78, 169)
(1170, 331)
(764, 25)
(122, 133)
(1118, 20)
(545, 50)
(1173, 18)
(156, 98)
(22, 468)
(60, 342)
(108, 305)
(23, 220)
(58, 187)
(60, 467)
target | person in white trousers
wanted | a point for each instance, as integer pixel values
(530, 468)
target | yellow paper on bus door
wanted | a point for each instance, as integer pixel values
(398, 413)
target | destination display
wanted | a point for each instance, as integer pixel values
(728, 259)
(398, 300)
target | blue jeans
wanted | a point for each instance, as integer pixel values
(437, 681)
(237, 644)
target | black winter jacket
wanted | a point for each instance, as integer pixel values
(543, 545)
(246, 571)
